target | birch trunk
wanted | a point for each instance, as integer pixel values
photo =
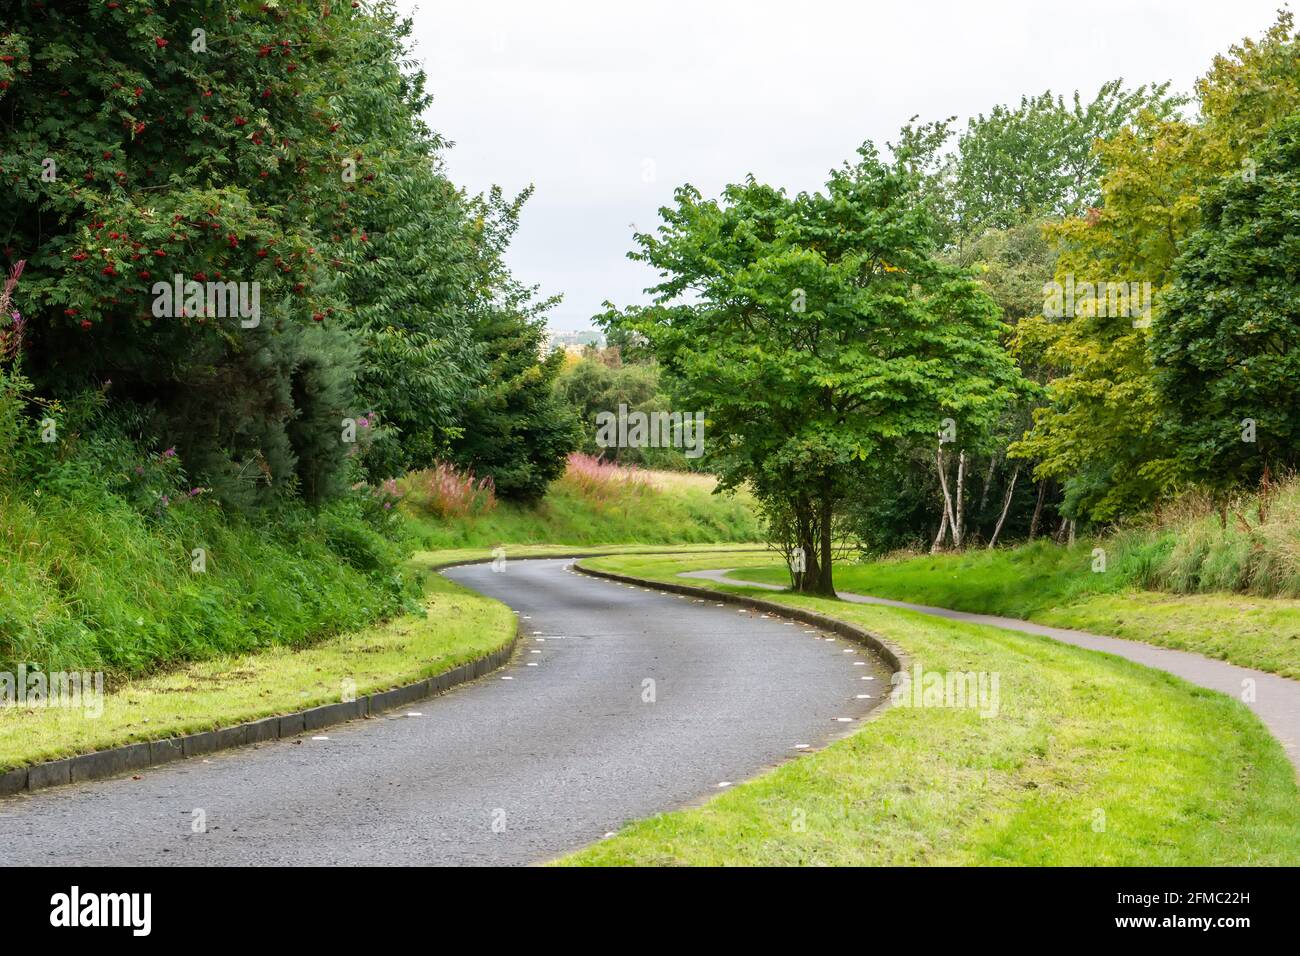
(1006, 506)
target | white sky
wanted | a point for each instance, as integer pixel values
(607, 106)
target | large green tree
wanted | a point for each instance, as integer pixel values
(1102, 433)
(1226, 349)
(821, 336)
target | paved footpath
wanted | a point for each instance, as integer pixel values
(1277, 699)
(548, 754)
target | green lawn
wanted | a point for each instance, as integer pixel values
(1091, 760)
(1055, 585)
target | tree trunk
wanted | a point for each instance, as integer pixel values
(808, 542)
(949, 519)
(938, 538)
(1006, 506)
(826, 584)
(988, 482)
(959, 524)
(1038, 509)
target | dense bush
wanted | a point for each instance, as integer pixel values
(279, 146)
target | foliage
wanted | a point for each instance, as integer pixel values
(1037, 161)
(278, 146)
(823, 334)
(1227, 348)
(515, 430)
(601, 382)
(1102, 433)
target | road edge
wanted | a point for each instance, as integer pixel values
(126, 758)
(889, 652)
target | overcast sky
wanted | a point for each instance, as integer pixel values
(605, 107)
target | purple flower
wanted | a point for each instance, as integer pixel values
(170, 452)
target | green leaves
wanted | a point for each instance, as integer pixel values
(818, 332)
(1226, 350)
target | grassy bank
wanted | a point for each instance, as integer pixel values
(90, 581)
(1055, 585)
(454, 626)
(1090, 760)
(592, 503)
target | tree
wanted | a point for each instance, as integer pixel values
(145, 141)
(819, 334)
(1226, 350)
(1037, 161)
(1102, 433)
(278, 147)
(514, 430)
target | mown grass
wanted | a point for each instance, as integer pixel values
(456, 626)
(1091, 760)
(1055, 585)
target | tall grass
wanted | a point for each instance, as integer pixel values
(598, 502)
(444, 491)
(1252, 546)
(87, 582)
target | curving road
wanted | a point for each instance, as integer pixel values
(547, 754)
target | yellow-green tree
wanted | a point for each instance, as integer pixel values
(1102, 433)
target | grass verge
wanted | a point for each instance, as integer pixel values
(1091, 760)
(458, 626)
(1055, 585)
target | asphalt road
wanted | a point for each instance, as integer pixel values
(1275, 700)
(546, 755)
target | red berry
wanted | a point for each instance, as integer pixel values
(159, 42)
(85, 323)
(318, 317)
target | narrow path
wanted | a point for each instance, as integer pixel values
(552, 752)
(1276, 700)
